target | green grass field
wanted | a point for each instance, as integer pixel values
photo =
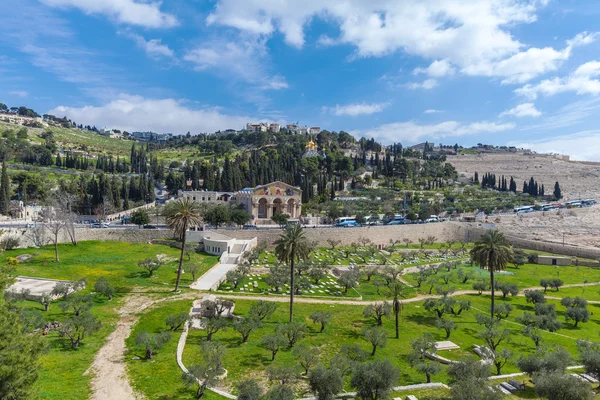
(116, 261)
(244, 360)
(528, 275)
(63, 374)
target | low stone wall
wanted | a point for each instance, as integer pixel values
(379, 235)
(475, 232)
(133, 235)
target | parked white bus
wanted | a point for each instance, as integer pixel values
(524, 209)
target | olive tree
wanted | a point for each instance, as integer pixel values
(325, 383)
(152, 342)
(374, 380)
(376, 336)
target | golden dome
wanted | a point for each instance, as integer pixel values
(311, 146)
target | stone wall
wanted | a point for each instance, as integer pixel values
(134, 235)
(379, 235)
(474, 232)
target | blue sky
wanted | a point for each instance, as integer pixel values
(518, 72)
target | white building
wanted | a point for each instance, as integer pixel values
(298, 130)
(29, 213)
(274, 127)
(315, 130)
(263, 127)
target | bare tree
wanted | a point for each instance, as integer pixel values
(37, 235)
(65, 203)
(104, 209)
(54, 222)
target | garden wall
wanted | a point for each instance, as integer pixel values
(379, 235)
(133, 235)
(539, 245)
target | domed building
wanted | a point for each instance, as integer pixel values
(311, 149)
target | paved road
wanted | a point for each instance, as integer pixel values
(212, 277)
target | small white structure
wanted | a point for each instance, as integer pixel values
(446, 345)
(217, 243)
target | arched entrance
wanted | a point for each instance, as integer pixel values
(277, 206)
(262, 208)
(291, 207)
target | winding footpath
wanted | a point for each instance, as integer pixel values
(110, 376)
(110, 380)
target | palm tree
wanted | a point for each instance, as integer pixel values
(181, 215)
(494, 252)
(396, 289)
(292, 246)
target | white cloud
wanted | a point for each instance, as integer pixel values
(473, 35)
(581, 81)
(412, 132)
(19, 93)
(356, 109)
(581, 146)
(461, 29)
(427, 84)
(526, 65)
(245, 60)
(437, 69)
(522, 110)
(326, 41)
(569, 115)
(154, 48)
(131, 12)
(136, 113)
(432, 111)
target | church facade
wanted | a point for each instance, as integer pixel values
(261, 202)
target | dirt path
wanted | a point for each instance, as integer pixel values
(110, 376)
(110, 380)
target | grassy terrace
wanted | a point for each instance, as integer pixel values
(116, 261)
(525, 276)
(63, 374)
(244, 360)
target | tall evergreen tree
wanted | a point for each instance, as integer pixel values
(4, 190)
(557, 192)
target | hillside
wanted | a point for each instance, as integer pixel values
(75, 139)
(577, 180)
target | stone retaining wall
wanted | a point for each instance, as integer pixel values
(379, 235)
(134, 235)
(474, 232)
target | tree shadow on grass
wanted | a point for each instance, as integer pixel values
(195, 339)
(351, 333)
(139, 274)
(230, 343)
(421, 320)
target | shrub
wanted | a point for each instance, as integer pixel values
(9, 243)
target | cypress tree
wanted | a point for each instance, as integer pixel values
(557, 192)
(4, 190)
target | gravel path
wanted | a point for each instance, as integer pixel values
(110, 376)
(111, 381)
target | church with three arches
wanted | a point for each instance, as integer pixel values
(261, 202)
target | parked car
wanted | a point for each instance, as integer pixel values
(150, 227)
(100, 225)
(348, 224)
(250, 226)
